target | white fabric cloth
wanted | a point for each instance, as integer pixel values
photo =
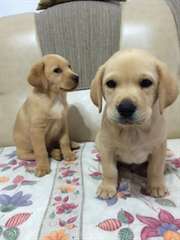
(65, 201)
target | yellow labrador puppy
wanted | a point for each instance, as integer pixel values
(41, 125)
(136, 87)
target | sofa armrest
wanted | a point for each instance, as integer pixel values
(19, 49)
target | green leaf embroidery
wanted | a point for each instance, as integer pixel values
(11, 234)
(122, 217)
(77, 192)
(52, 215)
(10, 187)
(126, 234)
(1, 230)
(165, 202)
(4, 169)
(7, 208)
(125, 217)
(96, 175)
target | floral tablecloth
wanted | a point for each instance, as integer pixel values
(63, 205)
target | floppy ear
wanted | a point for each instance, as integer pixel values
(37, 76)
(168, 89)
(96, 88)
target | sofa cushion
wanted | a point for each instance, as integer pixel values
(85, 32)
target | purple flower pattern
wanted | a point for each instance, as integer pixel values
(9, 203)
(156, 227)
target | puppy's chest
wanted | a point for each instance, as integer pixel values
(133, 150)
(132, 155)
(56, 110)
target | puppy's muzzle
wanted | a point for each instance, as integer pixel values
(126, 109)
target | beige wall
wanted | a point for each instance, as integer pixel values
(11, 7)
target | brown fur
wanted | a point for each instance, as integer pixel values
(41, 123)
(145, 138)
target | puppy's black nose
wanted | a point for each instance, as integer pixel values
(75, 78)
(126, 108)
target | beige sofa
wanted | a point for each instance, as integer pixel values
(145, 24)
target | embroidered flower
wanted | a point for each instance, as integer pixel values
(73, 181)
(4, 179)
(169, 235)
(158, 227)
(62, 205)
(68, 173)
(18, 179)
(9, 165)
(16, 163)
(28, 164)
(67, 188)
(65, 208)
(58, 235)
(176, 162)
(97, 157)
(9, 203)
(96, 175)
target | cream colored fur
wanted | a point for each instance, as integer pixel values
(144, 138)
(41, 126)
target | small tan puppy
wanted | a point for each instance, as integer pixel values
(41, 125)
(136, 87)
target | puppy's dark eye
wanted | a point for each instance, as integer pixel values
(111, 84)
(145, 83)
(69, 66)
(57, 70)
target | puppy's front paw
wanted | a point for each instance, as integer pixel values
(56, 154)
(106, 191)
(70, 156)
(42, 170)
(156, 189)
